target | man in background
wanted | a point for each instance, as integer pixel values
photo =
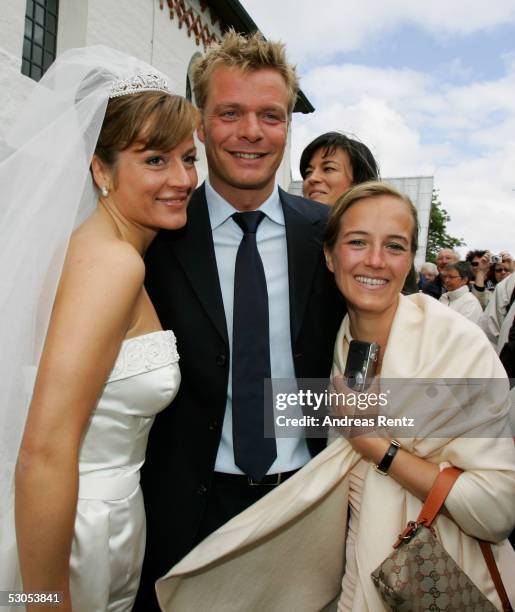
(436, 287)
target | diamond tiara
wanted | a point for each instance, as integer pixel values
(138, 84)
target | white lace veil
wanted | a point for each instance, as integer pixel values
(46, 190)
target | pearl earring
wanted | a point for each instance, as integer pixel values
(104, 191)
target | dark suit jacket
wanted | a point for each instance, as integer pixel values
(182, 281)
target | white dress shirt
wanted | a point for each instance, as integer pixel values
(292, 452)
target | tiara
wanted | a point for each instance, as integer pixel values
(138, 84)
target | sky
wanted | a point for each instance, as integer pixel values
(429, 87)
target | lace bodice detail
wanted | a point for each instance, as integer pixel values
(144, 353)
(144, 380)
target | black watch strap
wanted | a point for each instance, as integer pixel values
(384, 465)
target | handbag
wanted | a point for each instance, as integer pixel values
(419, 575)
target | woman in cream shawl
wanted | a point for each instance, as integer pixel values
(287, 552)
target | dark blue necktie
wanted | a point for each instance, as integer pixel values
(253, 453)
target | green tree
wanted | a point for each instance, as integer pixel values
(437, 237)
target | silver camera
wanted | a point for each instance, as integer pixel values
(361, 364)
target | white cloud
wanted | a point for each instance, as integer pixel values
(406, 110)
(350, 80)
(380, 126)
(479, 196)
(323, 28)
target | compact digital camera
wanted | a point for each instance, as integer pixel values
(361, 364)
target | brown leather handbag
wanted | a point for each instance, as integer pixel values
(419, 575)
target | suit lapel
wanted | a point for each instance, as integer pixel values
(304, 247)
(195, 252)
(194, 249)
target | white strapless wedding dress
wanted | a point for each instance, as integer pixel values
(109, 541)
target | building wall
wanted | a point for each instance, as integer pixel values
(139, 27)
(12, 23)
(14, 87)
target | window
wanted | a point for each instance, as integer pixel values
(39, 40)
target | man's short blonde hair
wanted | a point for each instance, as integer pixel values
(247, 53)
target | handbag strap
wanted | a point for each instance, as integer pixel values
(488, 554)
(437, 495)
(434, 502)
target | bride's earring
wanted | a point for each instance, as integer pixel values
(104, 191)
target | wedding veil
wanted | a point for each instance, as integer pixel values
(46, 191)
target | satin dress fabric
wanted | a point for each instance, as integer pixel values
(109, 541)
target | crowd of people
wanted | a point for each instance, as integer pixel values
(482, 269)
(145, 315)
(473, 288)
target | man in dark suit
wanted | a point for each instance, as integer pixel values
(207, 458)
(436, 287)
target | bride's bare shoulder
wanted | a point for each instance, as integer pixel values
(92, 251)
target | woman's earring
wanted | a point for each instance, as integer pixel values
(104, 191)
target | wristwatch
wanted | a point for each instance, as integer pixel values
(384, 465)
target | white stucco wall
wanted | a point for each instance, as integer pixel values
(137, 27)
(14, 88)
(126, 26)
(12, 24)
(72, 24)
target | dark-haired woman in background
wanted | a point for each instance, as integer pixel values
(333, 163)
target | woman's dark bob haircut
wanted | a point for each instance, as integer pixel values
(364, 166)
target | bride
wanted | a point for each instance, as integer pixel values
(104, 365)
